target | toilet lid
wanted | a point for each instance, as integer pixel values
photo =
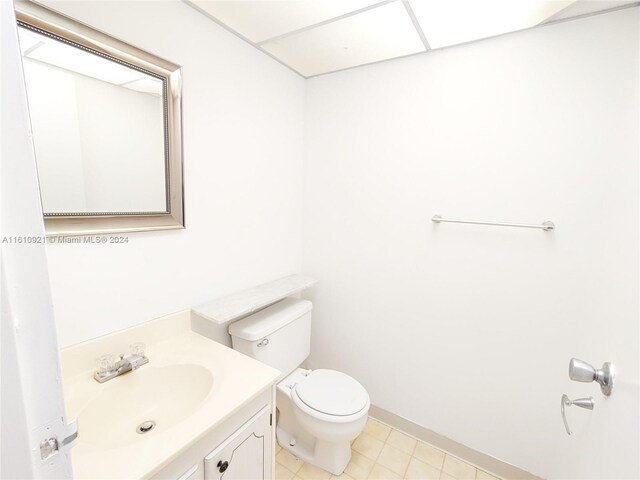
(332, 393)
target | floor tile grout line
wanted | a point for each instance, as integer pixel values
(411, 456)
(407, 434)
(433, 446)
(396, 448)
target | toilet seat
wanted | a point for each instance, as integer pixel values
(331, 395)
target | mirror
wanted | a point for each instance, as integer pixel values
(105, 118)
(98, 130)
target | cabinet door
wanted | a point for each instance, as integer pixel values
(245, 455)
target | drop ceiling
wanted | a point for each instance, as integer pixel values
(315, 37)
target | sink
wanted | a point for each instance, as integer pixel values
(162, 395)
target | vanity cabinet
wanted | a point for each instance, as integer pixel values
(194, 473)
(244, 455)
(241, 448)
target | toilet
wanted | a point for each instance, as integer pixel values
(319, 411)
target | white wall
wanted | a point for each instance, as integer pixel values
(122, 139)
(60, 167)
(468, 330)
(243, 149)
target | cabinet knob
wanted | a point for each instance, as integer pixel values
(222, 466)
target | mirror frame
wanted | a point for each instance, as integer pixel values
(49, 22)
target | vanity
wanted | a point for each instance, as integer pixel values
(196, 410)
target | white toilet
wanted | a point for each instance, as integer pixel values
(320, 411)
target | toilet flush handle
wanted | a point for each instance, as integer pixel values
(264, 342)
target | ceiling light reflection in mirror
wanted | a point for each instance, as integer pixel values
(44, 49)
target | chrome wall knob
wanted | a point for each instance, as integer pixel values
(581, 371)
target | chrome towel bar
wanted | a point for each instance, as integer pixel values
(546, 225)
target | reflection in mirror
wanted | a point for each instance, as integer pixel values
(107, 127)
(98, 129)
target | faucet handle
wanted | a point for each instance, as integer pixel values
(138, 349)
(105, 363)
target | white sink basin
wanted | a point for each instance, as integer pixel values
(190, 386)
(164, 395)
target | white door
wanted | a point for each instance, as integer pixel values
(35, 437)
(245, 455)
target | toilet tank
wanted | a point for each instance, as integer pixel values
(279, 335)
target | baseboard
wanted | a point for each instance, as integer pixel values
(480, 460)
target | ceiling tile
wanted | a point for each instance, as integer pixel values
(378, 34)
(453, 22)
(585, 7)
(262, 20)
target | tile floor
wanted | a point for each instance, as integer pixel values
(382, 453)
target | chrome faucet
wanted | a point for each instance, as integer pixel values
(109, 368)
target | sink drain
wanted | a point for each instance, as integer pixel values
(145, 427)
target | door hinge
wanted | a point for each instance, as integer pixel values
(270, 419)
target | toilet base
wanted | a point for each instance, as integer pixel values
(326, 445)
(330, 456)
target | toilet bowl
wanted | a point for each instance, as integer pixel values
(319, 411)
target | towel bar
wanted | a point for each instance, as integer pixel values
(547, 225)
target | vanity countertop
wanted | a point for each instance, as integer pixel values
(190, 385)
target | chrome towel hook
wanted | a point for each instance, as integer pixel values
(587, 403)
